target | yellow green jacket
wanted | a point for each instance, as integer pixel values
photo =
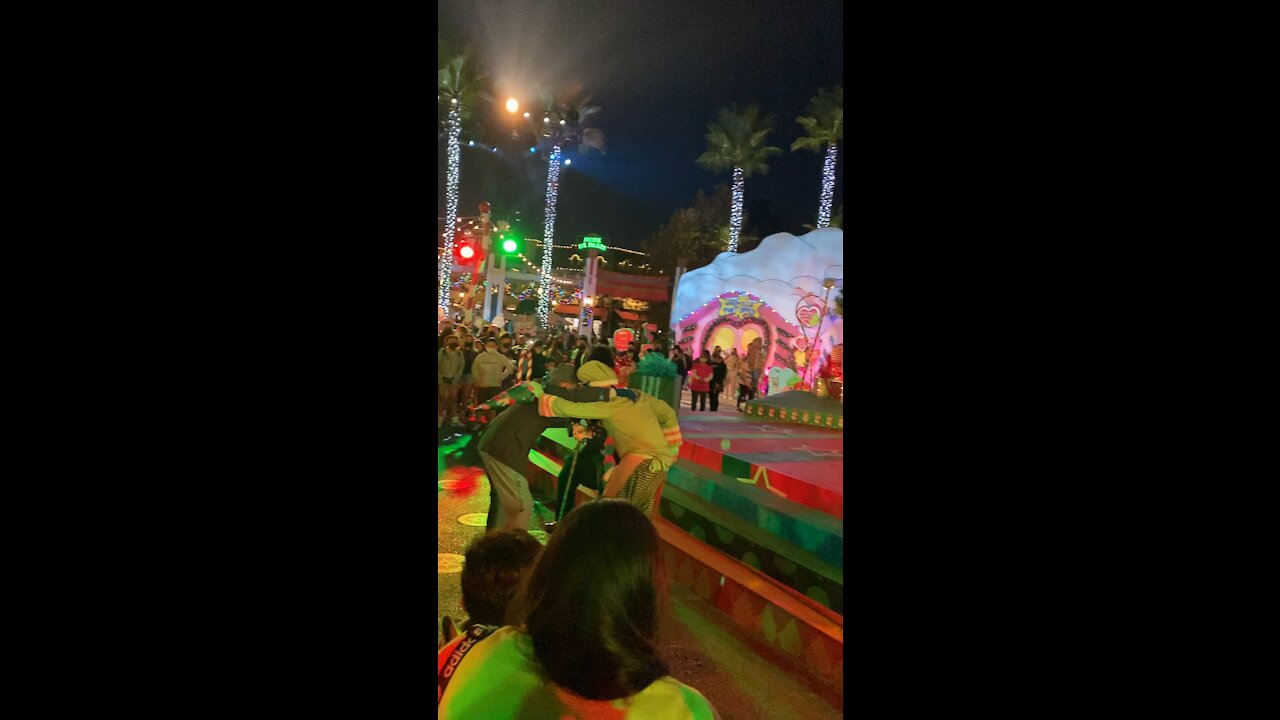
(646, 426)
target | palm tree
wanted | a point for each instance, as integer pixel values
(736, 141)
(824, 128)
(459, 87)
(557, 127)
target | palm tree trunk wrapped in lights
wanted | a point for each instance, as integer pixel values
(454, 128)
(548, 232)
(460, 87)
(735, 209)
(828, 186)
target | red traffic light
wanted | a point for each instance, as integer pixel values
(466, 251)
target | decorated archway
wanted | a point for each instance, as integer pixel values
(733, 320)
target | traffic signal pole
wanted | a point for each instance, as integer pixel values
(478, 274)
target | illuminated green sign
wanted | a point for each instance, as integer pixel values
(592, 242)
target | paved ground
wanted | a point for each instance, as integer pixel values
(702, 647)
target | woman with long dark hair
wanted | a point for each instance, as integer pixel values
(584, 639)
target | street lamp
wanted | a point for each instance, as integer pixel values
(512, 105)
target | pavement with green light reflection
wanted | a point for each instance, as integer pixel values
(702, 647)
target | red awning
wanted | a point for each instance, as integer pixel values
(628, 316)
(566, 309)
(637, 287)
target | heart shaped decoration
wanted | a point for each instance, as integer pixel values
(808, 316)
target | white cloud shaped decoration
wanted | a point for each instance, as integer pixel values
(780, 271)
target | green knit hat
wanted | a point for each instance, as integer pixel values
(597, 374)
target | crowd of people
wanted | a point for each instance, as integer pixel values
(475, 366)
(715, 375)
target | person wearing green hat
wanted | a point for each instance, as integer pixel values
(505, 444)
(645, 432)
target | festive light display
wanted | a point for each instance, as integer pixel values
(828, 186)
(735, 210)
(548, 236)
(538, 270)
(451, 203)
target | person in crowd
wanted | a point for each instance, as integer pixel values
(601, 354)
(505, 443)
(580, 351)
(584, 638)
(730, 385)
(682, 365)
(507, 350)
(700, 376)
(490, 369)
(554, 351)
(446, 329)
(718, 371)
(470, 350)
(755, 362)
(495, 564)
(449, 367)
(745, 390)
(646, 434)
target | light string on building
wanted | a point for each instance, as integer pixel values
(538, 270)
(735, 210)
(548, 236)
(451, 203)
(828, 186)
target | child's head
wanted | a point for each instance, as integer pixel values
(495, 565)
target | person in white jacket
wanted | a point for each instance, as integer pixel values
(449, 366)
(489, 369)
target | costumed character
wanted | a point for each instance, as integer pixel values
(645, 433)
(505, 444)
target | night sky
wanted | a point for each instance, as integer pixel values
(660, 70)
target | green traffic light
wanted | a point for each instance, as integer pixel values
(509, 245)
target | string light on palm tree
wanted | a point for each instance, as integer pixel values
(548, 232)
(824, 130)
(451, 201)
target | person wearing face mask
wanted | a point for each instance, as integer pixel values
(450, 364)
(490, 369)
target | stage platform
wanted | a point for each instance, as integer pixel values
(795, 406)
(801, 464)
(769, 496)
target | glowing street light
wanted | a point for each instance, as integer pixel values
(512, 105)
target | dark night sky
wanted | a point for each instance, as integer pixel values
(659, 70)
